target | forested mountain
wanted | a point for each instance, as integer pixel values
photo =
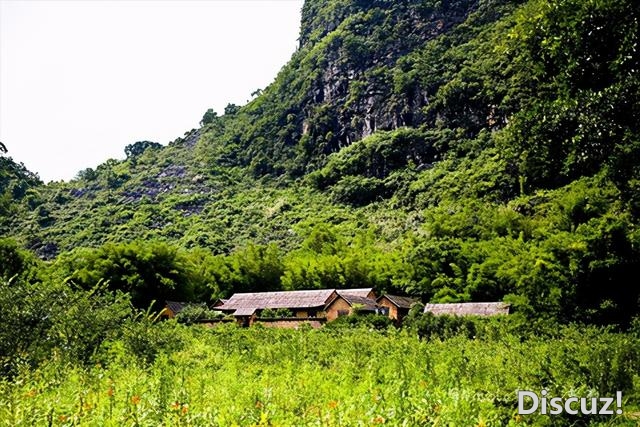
(455, 150)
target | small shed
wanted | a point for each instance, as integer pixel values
(398, 306)
(468, 308)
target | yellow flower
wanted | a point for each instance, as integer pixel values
(185, 409)
(135, 400)
(333, 404)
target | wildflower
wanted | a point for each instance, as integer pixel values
(135, 400)
(378, 420)
(259, 404)
(110, 391)
(31, 393)
(175, 406)
(62, 418)
(333, 404)
(185, 409)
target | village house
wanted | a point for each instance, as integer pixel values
(468, 308)
(314, 307)
(302, 304)
(398, 306)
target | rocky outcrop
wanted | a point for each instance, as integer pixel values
(353, 95)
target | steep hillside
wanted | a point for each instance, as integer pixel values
(456, 150)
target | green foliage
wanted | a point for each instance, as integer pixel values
(136, 149)
(16, 185)
(366, 377)
(17, 264)
(144, 339)
(209, 117)
(148, 272)
(195, 312)
(361, 320)
(42, 319)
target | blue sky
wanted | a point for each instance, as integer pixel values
(79, 80)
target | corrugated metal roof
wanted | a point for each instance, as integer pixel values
(358, 292)
(282, 299)
(468, 308)
(400, 301)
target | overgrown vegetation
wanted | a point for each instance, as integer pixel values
(263, 376)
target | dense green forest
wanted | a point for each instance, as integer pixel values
(452, 150)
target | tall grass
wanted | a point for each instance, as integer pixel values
(351, 377)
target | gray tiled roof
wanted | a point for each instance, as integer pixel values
(400, 301)
(468, 308)
(358, 292)
(366, 303)
(244, 311)
(282, 299)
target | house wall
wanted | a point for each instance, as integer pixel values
(167, 313)
(338, 304)
(393, 310)
(246, 321)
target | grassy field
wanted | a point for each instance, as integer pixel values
(179, 375)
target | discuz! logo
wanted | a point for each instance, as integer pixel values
(530, 402)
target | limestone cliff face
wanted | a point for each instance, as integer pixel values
(352, 95)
